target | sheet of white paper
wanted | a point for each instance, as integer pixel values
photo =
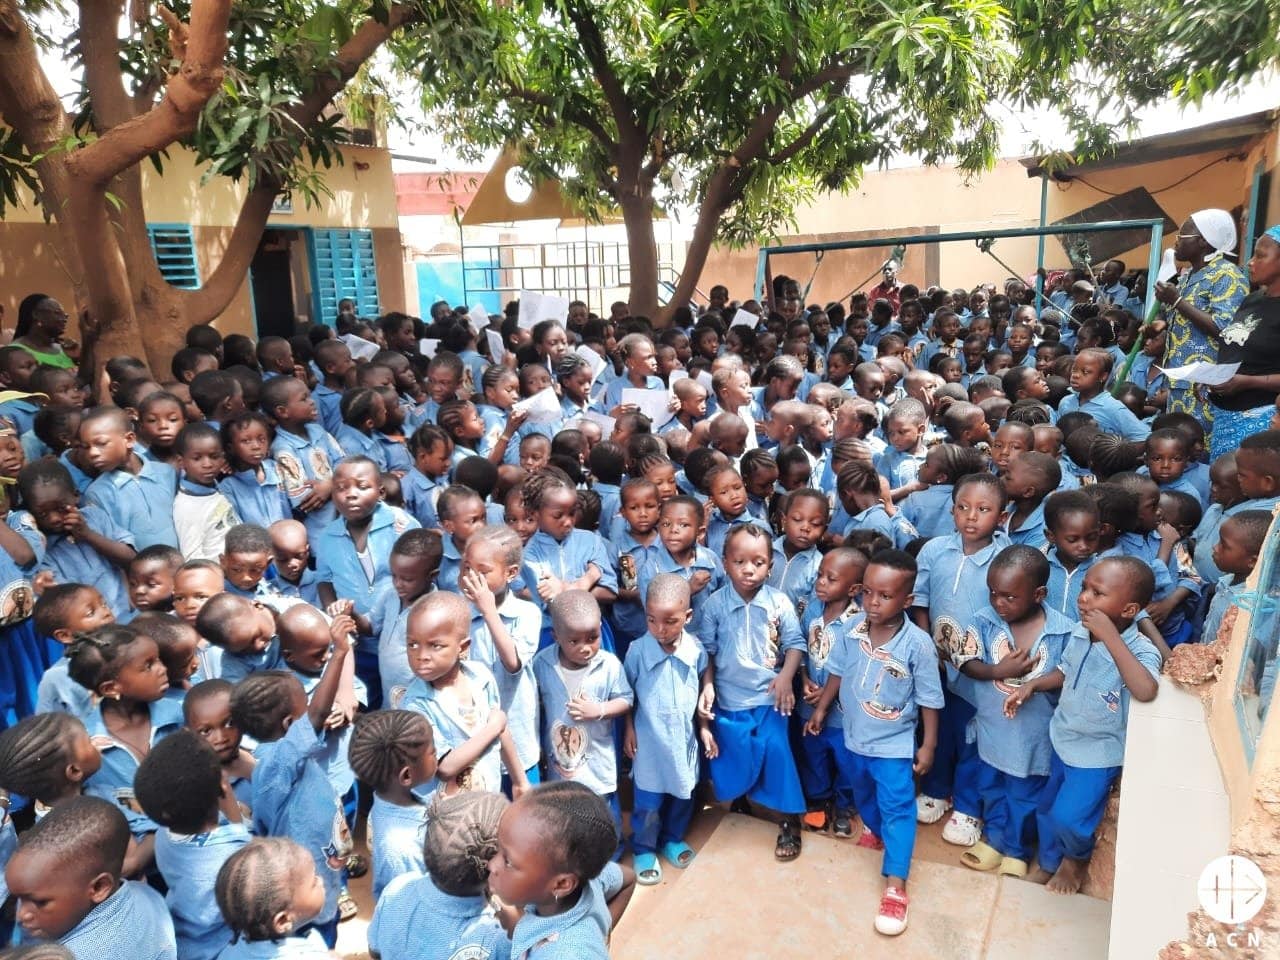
(652, 403)
(428, 347)
(676, 375)
(594, 360)
(543, 407)
(1209, 374)
(744, 318)
(1168, 267)
(478, 318)
(704, 379)
(606, 423)
(497, 352)
(361, 349)
(536, 307)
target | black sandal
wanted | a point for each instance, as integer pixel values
(843, 827)
(787, 847)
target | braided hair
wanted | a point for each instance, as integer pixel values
(387, 741)
(256, 883)
(536, 487)
(35, 752)
(495, 374)
(577, 827)
(261, 702)
(99, 655)
(462, 837)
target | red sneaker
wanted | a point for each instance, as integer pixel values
(892, 918)
(869, 840)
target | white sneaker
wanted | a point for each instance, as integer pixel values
(931, 809)
(962, 830)
(892, 918)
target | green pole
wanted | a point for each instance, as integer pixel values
(1153, 305)
(1044, 216)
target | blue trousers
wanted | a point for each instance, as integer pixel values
(1070, 810)
(884, 790)
(328, 932)
(1009, 806)
(755, 759)
(658, 819)
(822, 774)
(533, 775)
(615, 810)
(367, 670)
(955, 771)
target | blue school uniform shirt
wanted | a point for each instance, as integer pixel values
(820, 639)
(1088, 728)
(396, 836)
(517, 692)
(74, 561)
(610, 498)
(795, 576)
(1018, 746)
(389, 618)
(719, 525)
(293, 798)
(1111, 415)
(883, 688)
(415, 920)
(1226, 594)
(79, 478)
(897, 528)
(632, 561)
(580, 933)
(300, 459)
(900, 468)
(747, 641)
(141, 503)
(261, 503)
(337, 743)
(703, 559)
(1141, 370)
(1031, 531)
(310, 946)
(21, 413)
(338, 563)
(580, 750)
(394, 451)
(356, 443)
(189, 864)
(1146, 547)
(329, 404)
(929, 510)
(452, 728)
(936, 347)
(420, 494)
(1064, 585)
(304, 589)
(114, 779)
(612, 395)
(666, 688)
(566, 560)
(450, 566)
(58, 692)
(133, 922)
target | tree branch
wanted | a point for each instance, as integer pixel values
(630, 136)
(100, 55)
(804, 139)
(580, 117)
(175, 116)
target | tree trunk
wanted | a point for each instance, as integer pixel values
(642, 253)
(714, 203)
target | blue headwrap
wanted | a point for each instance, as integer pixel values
(1274, 233)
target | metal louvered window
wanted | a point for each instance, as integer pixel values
(175, 250)
(342, 267)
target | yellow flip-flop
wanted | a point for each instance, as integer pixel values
(982, 856)
(1012, 867)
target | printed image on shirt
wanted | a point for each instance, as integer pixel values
(320, 464)
(1001, 647)
(17, 601)
(951, 637)
(339, 846)
(819, 643)
(770, 657)
(569, 747)
(626, 572)
(1111, 698)
(291, 475)
(889, 667)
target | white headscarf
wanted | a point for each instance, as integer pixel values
(1218, 229)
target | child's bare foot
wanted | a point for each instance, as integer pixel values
(1069, 878)
(1039, 875)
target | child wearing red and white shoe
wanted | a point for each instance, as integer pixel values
(885, 671)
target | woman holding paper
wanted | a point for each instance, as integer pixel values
(1244, 404)
(1202, 303)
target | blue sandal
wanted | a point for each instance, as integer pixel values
(678, 854)
(648, 869)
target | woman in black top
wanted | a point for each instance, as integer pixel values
(1244, 404)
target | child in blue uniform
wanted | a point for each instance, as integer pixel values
(413, 564)
(180, 787)
(680, 523)
(338, 371)
(244, 631)
(62, 613)
(928, 509)
(393, 751)
(1028, 479)
(729, 496)
(292, 797)
(138, 494)
(1012, 642)
(461, 513)
(67, 877)
(363, 413)
(504, 636)
(1105, 662)
(459, 697)
(828, 789)
(560, 833)
(665, 668)
(270, 895)
(432, 451)
(206, 709)
(805, 513)
(1073, 524)
(885, 671)
(583, 690)
(751, 633)
(254, 485)
(446, 913)
(290, 556)
(950, 588)
(1235, 554)
(303, 451)
(639, 549)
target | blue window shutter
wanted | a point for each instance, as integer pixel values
(342, 267)
(175, 250)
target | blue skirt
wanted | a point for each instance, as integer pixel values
(1232, 426)
(24, 657)
(755, 759)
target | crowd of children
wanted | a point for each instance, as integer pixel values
(861, 568)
